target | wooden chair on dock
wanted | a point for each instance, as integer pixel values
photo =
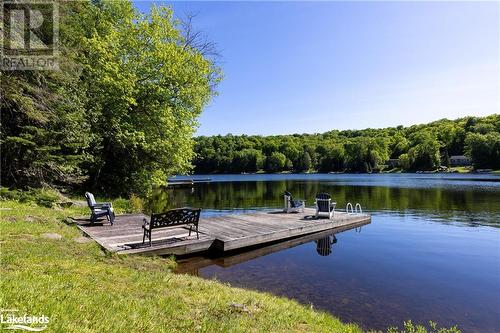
(99, 209)
(325, 205)
(292, 205)
(171, 218)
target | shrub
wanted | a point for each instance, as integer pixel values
(7, 194)
(122, 205)
(136, 203)
(45, 197)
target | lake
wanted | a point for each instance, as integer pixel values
(432, 251)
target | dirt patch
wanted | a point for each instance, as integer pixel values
(82, 239)
(52, 236)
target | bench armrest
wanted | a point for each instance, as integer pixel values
(103, 205)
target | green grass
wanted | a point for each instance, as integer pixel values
(82, 289)
(463, 169)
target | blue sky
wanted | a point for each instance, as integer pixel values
(310, 67)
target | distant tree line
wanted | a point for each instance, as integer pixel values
(418, 147)
(120, 114)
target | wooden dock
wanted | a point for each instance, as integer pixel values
(218, 233)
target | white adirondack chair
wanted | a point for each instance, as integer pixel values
(325, 205)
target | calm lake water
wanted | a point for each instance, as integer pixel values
(432, 251)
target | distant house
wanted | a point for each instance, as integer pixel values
(459, 160)
(392, 163)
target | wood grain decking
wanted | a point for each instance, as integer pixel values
(222, 233)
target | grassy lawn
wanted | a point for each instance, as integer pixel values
(82, 289)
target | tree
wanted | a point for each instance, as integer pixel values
(356, 152)
(418, 147)
(425, 156)
(290, 149)
(304, 162)
(276, 162)
(248, 160)
(404, 161)
(484, 149)
(399, 145)
(148, 81)
(334, 159)
(44, 133)
(123, 109)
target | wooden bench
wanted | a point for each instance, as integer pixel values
(172, 217)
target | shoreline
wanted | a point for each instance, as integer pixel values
(486, 172)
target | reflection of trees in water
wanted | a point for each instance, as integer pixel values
(324, 245)
(229, 195)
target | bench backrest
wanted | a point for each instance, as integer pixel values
(174, 217)
(323, 201)
(90, 199)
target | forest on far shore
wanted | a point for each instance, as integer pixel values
(419, 147)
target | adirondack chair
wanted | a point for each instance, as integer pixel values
(99, 209)
(292, 205)
(325, 205)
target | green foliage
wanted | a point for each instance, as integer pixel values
(332, 158)
(120, 115)
(248, 160)
(136, 203)
(419, 147)
(276, 162)
(44, 197)
(304, 162)
(404, 161)
(120, 204)
(409, 327)
(484, 149)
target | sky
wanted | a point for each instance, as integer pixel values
(310, 67)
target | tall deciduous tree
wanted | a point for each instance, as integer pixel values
(150, 80)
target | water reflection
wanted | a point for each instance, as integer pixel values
(324, 245)
(324, 241)
(472, 204)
